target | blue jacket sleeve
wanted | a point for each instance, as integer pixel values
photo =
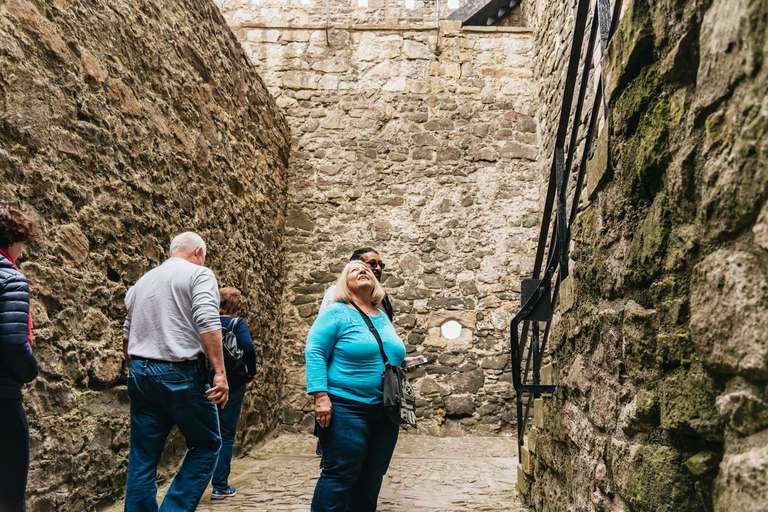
(16, 357)
(243, 335)
(320, 341)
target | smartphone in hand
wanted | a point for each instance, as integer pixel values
(416, 363)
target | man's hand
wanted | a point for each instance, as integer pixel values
(322, 408)
(125, 352)
(219, 392)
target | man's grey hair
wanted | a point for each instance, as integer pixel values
(187, 242)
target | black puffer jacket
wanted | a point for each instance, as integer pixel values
(17, 362)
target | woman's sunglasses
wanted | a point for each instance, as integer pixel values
(374, 263)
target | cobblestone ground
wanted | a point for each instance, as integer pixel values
(453, 474)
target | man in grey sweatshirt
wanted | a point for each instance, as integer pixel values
(171, 325)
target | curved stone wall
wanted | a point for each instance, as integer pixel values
(122, 124)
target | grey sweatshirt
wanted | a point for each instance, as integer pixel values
(169, 308)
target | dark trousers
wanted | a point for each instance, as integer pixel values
(357, 447)
(14, 456)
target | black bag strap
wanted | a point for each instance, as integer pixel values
(373, 331)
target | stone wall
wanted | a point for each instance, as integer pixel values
(301, 13)
(429, 154)
(122, 124)
(661, 352)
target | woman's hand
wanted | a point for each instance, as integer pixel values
(412, 368)
(322, 408)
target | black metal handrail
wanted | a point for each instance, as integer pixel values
(546, 293)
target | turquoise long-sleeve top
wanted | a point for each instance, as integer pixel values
(343, 356)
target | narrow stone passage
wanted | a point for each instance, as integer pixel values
(453, 474)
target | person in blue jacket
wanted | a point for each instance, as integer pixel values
(17, 362)
(229, 417)
(343, 370)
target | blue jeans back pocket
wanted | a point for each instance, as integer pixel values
(177, 390)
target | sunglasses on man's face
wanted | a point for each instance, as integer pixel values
(374, 263)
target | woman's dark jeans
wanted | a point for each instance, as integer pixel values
(229, 418)
(357, 447)
(14, 456)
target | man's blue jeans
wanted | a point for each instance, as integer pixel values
(357, 447)
(229, 417)
(163, 395)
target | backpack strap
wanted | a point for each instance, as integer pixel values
(231, 328)
(374, 332)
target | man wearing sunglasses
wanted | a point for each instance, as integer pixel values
(370, 257)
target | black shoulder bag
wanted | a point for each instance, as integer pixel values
(399, 398)
(233, 354)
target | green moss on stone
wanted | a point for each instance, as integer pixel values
(630, 48)
(688, 403)
(634, 102)
(583, 228)
(646, 154)
(647, 410)
(703, 462)
(674, 349)
(651, 478)
(649, 244)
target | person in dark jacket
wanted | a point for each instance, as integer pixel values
(229, 417)
(17, 362)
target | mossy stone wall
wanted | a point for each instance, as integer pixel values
(661, 353)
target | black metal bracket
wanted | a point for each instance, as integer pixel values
(539, 295)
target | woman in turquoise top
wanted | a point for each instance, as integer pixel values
(344, 367)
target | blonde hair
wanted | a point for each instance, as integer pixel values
(342, 293)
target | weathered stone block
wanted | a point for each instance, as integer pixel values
(513, 149)
(414, 50)
(743, 406)
(628, 49)
(526, 460)
(724, 56)
(439, 124)
(73, 245)
(428, 386)
(533, 433)
(741, 482)
(523, 484)
(396, 84)
(459, 405)
(538, 413)
(640, 470)
(468, 382)
(567, 293)
(425, 139)
(674, 349)
(729, 316)
(703, 462)
(546, 375)
(494, 362)
(687, 399)
(300, 80)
